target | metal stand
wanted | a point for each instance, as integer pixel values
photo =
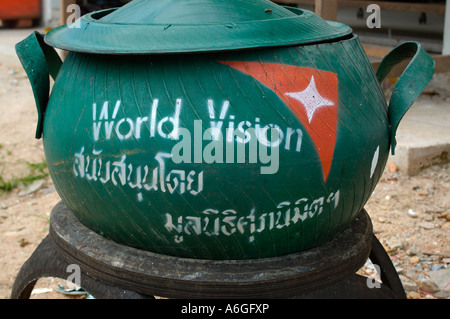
(110, 270)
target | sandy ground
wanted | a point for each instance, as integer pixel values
(410, 214)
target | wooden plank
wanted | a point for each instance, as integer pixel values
(327, 9)
(63, 14)
(384, 5)
(376, 50)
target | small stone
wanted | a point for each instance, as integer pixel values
(408, 285)
(412, 213)
(412, 251)
(441, 278)
(48, 191)
(394, 243)
(412, 274)
(399, 269)
(31, 188)
(426, 225)
(445, 226)
(413, 295)
(381, 219)
(428, 285)
(437, 267)
(392, 167)
(4, 205)
(414, 260)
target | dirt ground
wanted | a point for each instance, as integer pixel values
(411, 215)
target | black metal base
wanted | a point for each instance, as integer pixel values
(113, 271)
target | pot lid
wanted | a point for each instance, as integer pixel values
(171, 26)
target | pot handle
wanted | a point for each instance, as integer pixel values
(410, 84)
(39, 61)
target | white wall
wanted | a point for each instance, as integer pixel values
(446, 45)
(50, 13)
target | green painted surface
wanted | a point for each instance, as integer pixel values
(141, 149)
(169, 26)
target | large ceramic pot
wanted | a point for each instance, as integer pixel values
(216, 129)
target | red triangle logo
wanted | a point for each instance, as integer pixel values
(311, 94)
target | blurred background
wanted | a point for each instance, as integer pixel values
(401, 20)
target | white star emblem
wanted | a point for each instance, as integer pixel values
(311, 99)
